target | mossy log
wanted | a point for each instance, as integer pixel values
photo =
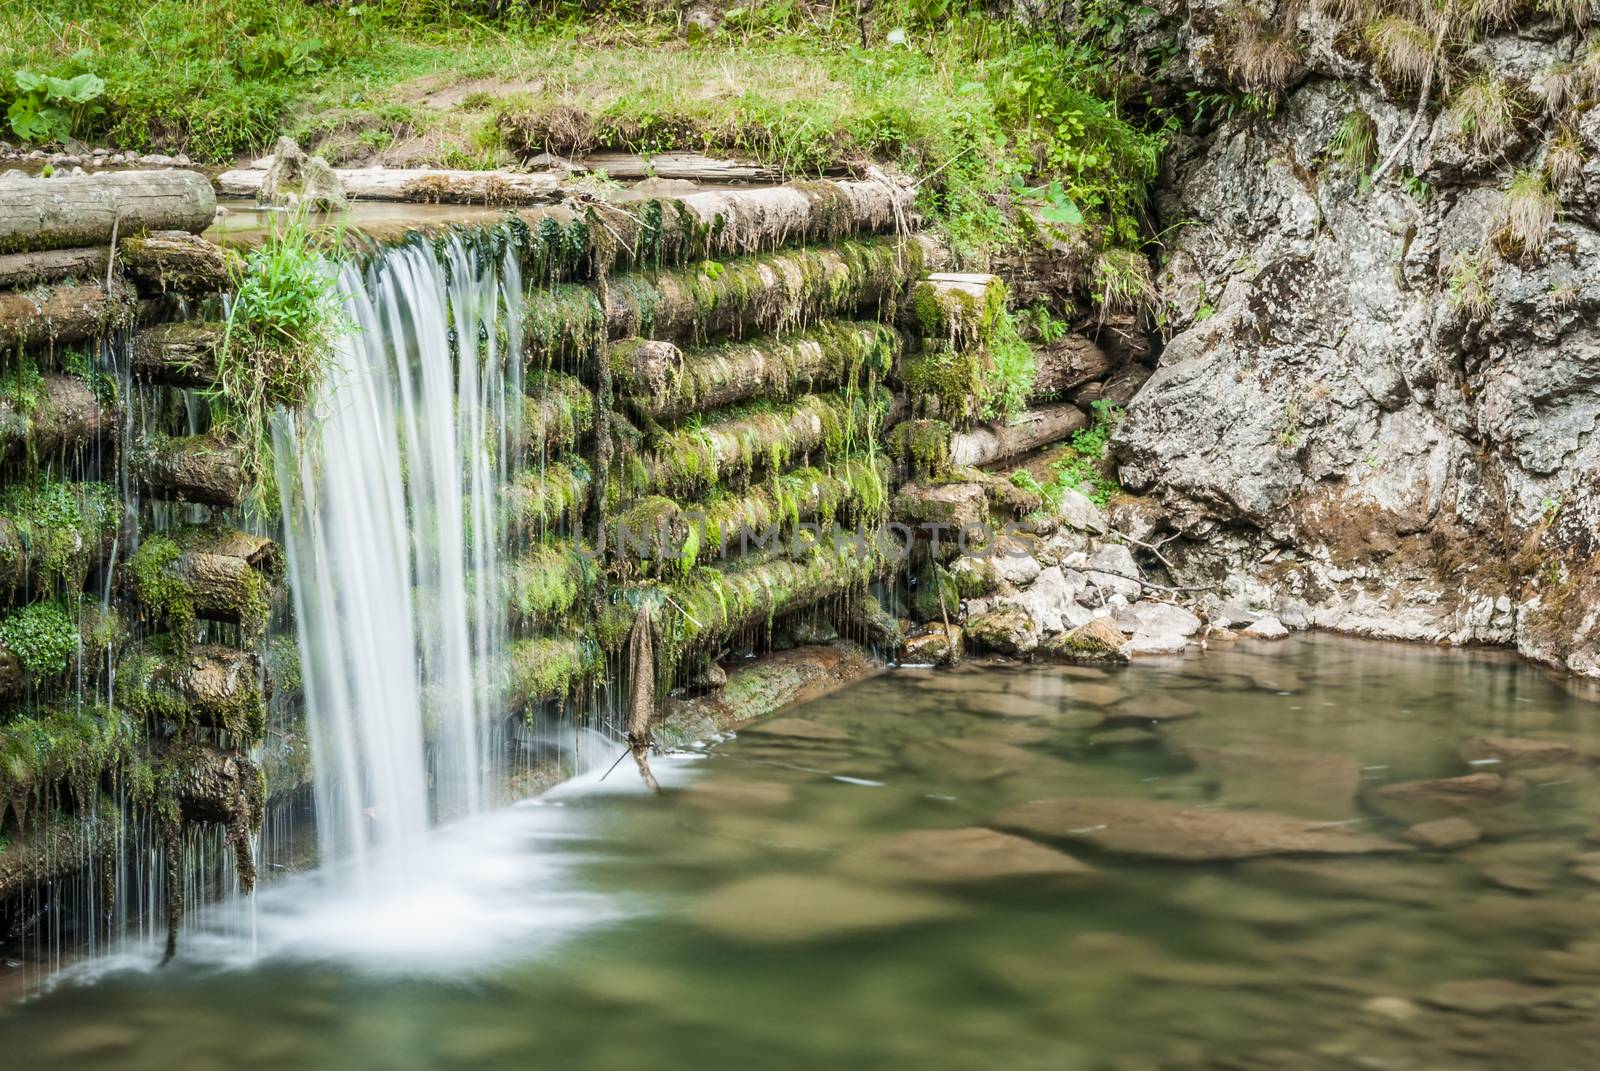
(558, 410)
(211, 685)
(543, 584)
(766, 686)
(177, 262)
(710, 606)
(548, 498)
(211, 469)
(657, 536)
(1067, 363)
(735, 444)
(56, 315)
(958, 307)
(419, 185)
(659, 381)
(716, 223)
(52, 534)
(58, 847)
(21, 270)
(1038, 427)
(204, 572)
(178, 354)
(549, 667)
(750, 295)
(59, 418)
(73, 744)
(67, 211)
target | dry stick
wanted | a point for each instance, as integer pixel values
(1141, 583)
(1422, 101)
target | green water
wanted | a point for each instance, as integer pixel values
(757, 916)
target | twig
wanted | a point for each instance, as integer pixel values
(682, 611)
(1142, 583)
(111, 257)
(1422, 102)
(625, 752)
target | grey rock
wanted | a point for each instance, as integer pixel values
(1267, 628)
(1109, 567)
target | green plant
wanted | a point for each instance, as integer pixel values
(1527, 212)
(1264, 55)
(1470, 273)
(1122, 280)
(1403, 49)
(1354, 147)
(1011, 371)
(1077, 464)
(1484, 113)
(47, 108)
(281, 327)
(1563, 157)
(42, 636)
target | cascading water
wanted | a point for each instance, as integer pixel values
(390, 484)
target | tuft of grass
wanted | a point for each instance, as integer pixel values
(1401, 47)
(282, 323)
(1484, 112)
(1489, 14)
(1122, 281)
(1263, 55)
(1563, 157)
(1571, 12)
(1470, 276)
(1528, 210)
(1354, 147)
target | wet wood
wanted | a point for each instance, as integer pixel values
(178, 354)
(177, 262)
(1038, 427)
(677, 165)
(55, 315)
(768, 685)
(217, 573)
(21, 270)
(214, 685)
(68, 211)
(1067, 363)
(64, 419)
(419, 185)
(209, 469)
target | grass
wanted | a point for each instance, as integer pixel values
(1484, 112)
(1077, 466)
(1354, 147)
(1563, 157)
(1469, 279)
(1528, 210)
(968, 102)
(1265, 55)
(281, 326)
(1403, 49)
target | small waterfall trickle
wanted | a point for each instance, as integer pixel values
(390, 487)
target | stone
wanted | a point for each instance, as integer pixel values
(1170, 831)
(718, 794)
(1144, 645)
(1399, 1009)
(1016, 569)
(1007, 631)
(1080, 514)
(1109, 569)
(1096, 640)
(958, 855)
(1267, 628)
(1126, 737)
(1493, 996)
(1095, 694)
(950, 507)
(1418, 801)
(1444, 834)
(1273, 775)
(796, 728)
(1156, 619)
(1512, 752)
(783, 908)
(934, 646)
(1048, 599)
(1154, 708)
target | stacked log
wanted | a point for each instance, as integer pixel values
(420, 185)
(21, 270)
(178, 354)
(212, 469)
(56, 315)
(63, 417)
(215, 573)
(209, 685)
(178, 263)
(1034, 429)
(71, 211)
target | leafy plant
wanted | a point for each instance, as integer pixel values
(47, 108)
(281, 327)
(1077, 464)
(42, 636)
(1355, 144)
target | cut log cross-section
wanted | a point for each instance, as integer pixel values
(86, 210)
(177, 262)
(178, 354)
(209, 469)
(212, 685)
(215, 573)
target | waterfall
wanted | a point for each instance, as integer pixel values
(390, 484)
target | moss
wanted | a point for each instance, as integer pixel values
(544, 584)
(548, 498)
(556, 412)
(154, 585)
(153, 684)
(43, 637)
(936, 595)
(63, 526)
(922, 447)
(564, 321)
(73, 745)
(545, 667)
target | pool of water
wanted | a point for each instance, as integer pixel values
(832, 891)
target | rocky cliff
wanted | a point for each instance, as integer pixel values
(1375, 402)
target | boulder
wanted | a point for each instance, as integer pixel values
(1078, 513)
(1266, 628)
(1512, 752)
(958, 856)
(1096, 640)
(1446, 797)
(1170, 831)
(1052, 595)
(1263, 773)
(934, 646)
(1006, 630)
(1444, 834)
(1110, 567)
(1145, 645)
(1157, 619)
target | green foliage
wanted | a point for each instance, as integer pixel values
(43, 637)
(1527, 212)
(1077, 464)
(46, 108)
(1470, 273)
(62, 525)
(1483, 113)
(1354, 148)
(1011, 371)
(281, 327)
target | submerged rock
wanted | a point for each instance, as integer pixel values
(958, 855)
(1444, 833)
(796, 728)
(1260, 772)
(1266, 628)
(1512, 752)
(1420, 801)
(1171, 831)
(1007, 631)
(780, 908)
